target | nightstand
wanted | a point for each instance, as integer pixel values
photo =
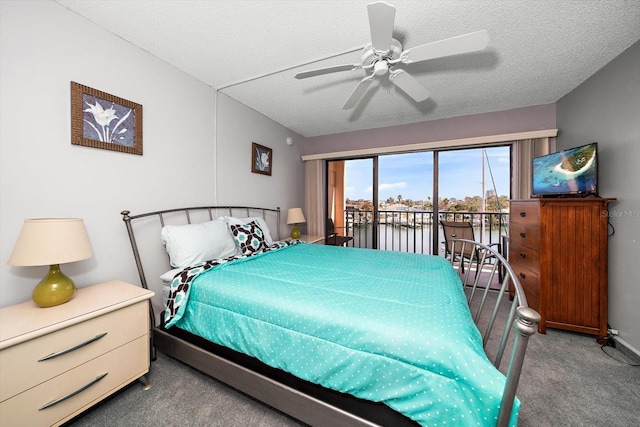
(57, 362)
(319, 240)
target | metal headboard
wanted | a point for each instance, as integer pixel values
(213, 213)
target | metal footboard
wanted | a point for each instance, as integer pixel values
(486, 289)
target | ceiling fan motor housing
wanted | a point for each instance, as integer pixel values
(370, 56)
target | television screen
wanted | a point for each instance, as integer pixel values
(568, 172)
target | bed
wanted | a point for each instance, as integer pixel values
(331, 335)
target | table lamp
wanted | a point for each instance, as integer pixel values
(51, 241)
(295, 217)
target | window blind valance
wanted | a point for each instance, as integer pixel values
(433, 145)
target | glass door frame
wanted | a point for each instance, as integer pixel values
(435, 189)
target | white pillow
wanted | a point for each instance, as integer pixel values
(168, 277)
(194, 243)
(258, 219)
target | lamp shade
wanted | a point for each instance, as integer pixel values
(295, 216)
(48, 241)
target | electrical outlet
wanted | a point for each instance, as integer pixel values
(613, 331)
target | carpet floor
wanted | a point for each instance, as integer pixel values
(567, 380)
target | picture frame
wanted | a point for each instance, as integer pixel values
(102, 120)
(261, 159)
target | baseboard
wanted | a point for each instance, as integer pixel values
(628, 350)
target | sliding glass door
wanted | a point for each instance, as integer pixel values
(395, 201)
(350, 199)
(405, 202)
(474, 187)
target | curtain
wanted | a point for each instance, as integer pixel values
(314, 206)
(522, 154)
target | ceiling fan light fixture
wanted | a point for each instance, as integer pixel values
(381, 68)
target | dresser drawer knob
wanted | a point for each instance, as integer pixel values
(522, 255)
(522, 275)
(73, 393)
(522, 234)
(75, 347)
(523, 214)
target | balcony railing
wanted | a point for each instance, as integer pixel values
(412, 230)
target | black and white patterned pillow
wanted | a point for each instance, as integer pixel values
(249, 237)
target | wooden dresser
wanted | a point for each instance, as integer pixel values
(558, 249)
(56, 362)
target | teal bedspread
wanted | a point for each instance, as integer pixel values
(384, 326)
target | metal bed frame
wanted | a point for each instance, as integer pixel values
(310, 403)
(523, 318)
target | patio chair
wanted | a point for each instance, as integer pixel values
(464, 230)
(334, 239)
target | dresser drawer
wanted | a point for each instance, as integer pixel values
(122, 365)
(525, 235)
(524, 256)
(23, 367)
(526, 264)
(524, 213)
(530, 282)
(527, 275)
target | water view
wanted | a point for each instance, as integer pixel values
(471, 185)
(415, 239)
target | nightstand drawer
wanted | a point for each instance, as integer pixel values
(23, 367)
(122, 365)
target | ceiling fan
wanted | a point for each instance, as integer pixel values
(384, 54)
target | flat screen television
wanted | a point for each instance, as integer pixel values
(572, 172)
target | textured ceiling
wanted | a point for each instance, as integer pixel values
(250, 50)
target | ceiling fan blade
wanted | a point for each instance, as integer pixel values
(409, 85)
(381, 19)
(465, 43)
(358, 92)
(328, 70)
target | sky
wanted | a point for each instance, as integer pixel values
(411, 174)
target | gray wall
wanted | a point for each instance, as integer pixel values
(188, 159)
(238, 126)
(606, 108)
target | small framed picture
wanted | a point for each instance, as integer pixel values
(101, 120)
(261, 159)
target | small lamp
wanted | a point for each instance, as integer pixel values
(295, 217)
(51, 241)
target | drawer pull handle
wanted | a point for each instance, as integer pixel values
(523, 214)
(522, 255)
(73, 393)
(75, 347)
(522, 275)
(522, 235)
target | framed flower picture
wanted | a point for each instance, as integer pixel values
(261, 159)
(101, 120)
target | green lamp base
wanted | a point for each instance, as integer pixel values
(55, 289)
(295, 232)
